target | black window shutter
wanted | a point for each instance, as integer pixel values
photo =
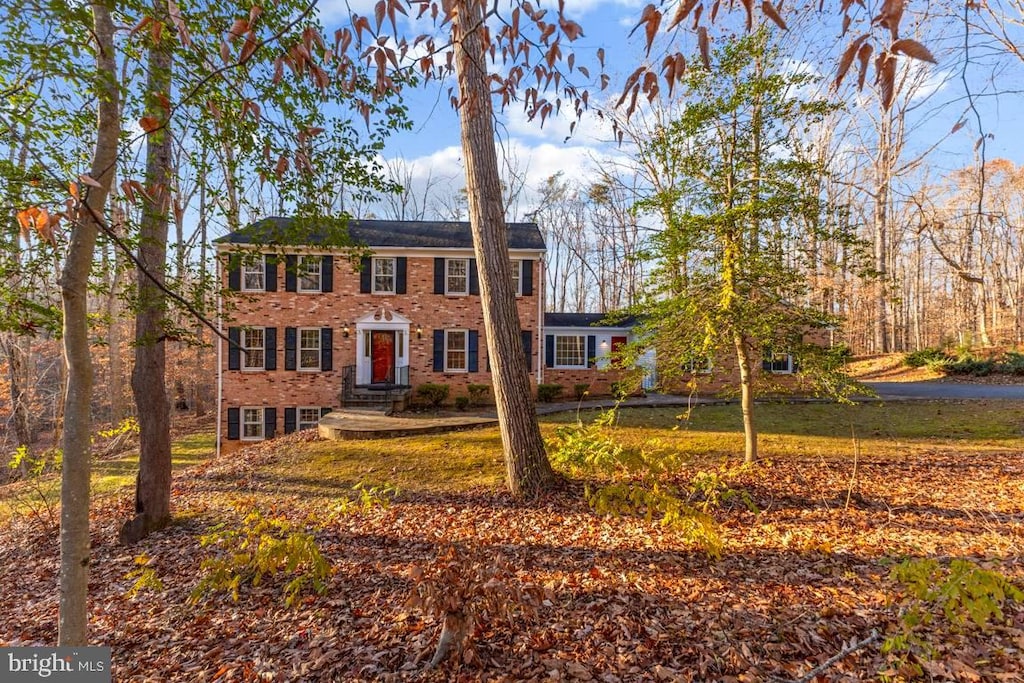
(289, 420)
(270, 272)
(326, 348)
(527, 348)
(401, 274)
(591, 350)
(439, 275)
(766, 364)
(549, 350)
(289, 348)
(439, 350)
(327, 274)
(291, 264)
(474, 277)
(365, 275)
(270, 350)
(324, 410)
(473, 364)
(269, 422)
(234, 349)
(234, 275)
(526, 277)
(234, 417)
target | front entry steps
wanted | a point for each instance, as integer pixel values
(383, 401)
(345, 424)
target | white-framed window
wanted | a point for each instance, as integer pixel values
(252, 424)
(309, 348)
(309, 417)
(253, 341)
(456, 350)
(383, 275)
(570, 351)
(253, 277)
(517, 277)
(308, 273)
(698, 366)
(778, 363)
(456, 276)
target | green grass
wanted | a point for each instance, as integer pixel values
(828, 430)
(109, 477)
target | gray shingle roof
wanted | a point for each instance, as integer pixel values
(586, 320)
(384, 233)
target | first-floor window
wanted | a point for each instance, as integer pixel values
(456, 346)
(252, 423)
(570, 351)
(778, 363)
(309, 348)
(253, 345)
(698, 366)
(309, 418)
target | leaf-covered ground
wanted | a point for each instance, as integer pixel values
(627, 600)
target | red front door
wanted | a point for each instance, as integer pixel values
(382, 355)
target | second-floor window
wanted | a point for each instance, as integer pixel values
(383, 276)
(309, 273)
(309, 348)
(517, 281)
(456, 347)
(253, 277)
(253, 342)
(457, 276)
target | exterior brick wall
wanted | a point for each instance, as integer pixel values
(340, 309)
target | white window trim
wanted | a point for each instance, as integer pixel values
(298, 417)
(776, 357)
(300, 273)
(448, 276)
(570, 367)
(393, 276)
(243, 361)
(517, 275)
(252, 267)
(242, 423)
(299, 349)
(465, 350)
(691, 367)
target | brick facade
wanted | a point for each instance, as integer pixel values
(340, 311)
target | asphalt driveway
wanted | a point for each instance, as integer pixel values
(948, 390)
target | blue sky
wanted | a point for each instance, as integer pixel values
(432, 147)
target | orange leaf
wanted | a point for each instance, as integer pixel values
(175, 14)
(149, 124)
(703, 43)
(959, 124)
(773, 14)
(864, 56)
(89, 180)
(73, 189)
(913, 49)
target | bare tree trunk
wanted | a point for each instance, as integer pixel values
(17, 350)
(746, 398)
(883, 165)
(74, 279)
(115, 360)
(153, 486)
(526, 462)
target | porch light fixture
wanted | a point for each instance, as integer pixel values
(419, 331)
(344, 331)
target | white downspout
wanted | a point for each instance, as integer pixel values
(220, 358)
(543, 278)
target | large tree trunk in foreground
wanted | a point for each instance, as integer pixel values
(153, 486)
(746, 398)
(74, 278)
(526, 461)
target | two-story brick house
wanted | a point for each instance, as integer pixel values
(310, 324)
